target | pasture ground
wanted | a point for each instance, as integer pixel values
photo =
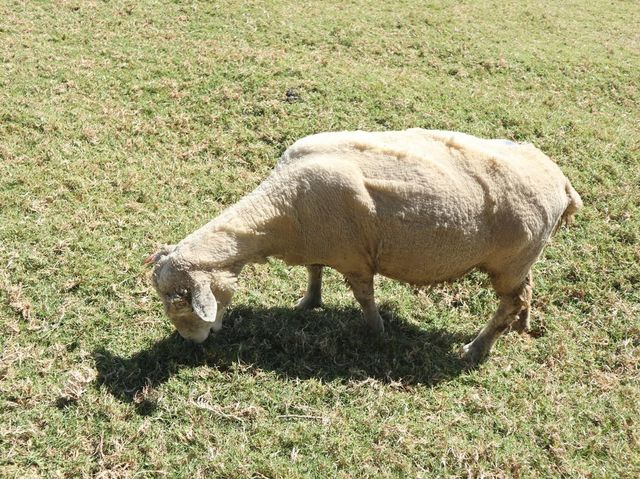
(124, 125)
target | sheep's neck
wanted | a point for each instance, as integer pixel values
(248, 232)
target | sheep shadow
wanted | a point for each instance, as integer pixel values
(329, 344)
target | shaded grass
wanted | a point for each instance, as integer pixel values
(125, 125)
(329, 345)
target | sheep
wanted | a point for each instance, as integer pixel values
(418, 206)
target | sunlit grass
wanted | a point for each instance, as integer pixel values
(124, 125)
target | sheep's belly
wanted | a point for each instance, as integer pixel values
(424, 272)
(430, 256)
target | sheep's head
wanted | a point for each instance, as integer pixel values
(194, 300)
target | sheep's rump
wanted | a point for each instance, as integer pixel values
(423, 206)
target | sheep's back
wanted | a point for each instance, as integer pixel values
(423, 206)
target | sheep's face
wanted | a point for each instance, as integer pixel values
(195, 301)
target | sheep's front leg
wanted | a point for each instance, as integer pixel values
(313, 297)
(362, 287)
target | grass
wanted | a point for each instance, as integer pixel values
(124, 125)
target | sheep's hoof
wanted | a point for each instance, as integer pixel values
(376, 325)
(473, 354)
(308, 302)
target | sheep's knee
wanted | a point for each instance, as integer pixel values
(313, 296)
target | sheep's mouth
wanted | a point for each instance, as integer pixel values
(192, 328)
(197, 338)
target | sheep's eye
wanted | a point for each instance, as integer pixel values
(180, 295)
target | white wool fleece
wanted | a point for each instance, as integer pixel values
(419, 206)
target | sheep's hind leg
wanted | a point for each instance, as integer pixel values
(362, 287)
(313, 297)
(511, 305)
(523, 323)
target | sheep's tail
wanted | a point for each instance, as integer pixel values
(575, 203)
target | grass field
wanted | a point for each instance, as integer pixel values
(125, 125)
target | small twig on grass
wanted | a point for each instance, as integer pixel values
(301, 416)
(216, 411)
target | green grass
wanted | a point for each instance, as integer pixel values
(124, 125)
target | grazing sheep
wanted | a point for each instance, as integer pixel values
(419, 206)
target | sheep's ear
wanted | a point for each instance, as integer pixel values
(203, 301)
(163, 251)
